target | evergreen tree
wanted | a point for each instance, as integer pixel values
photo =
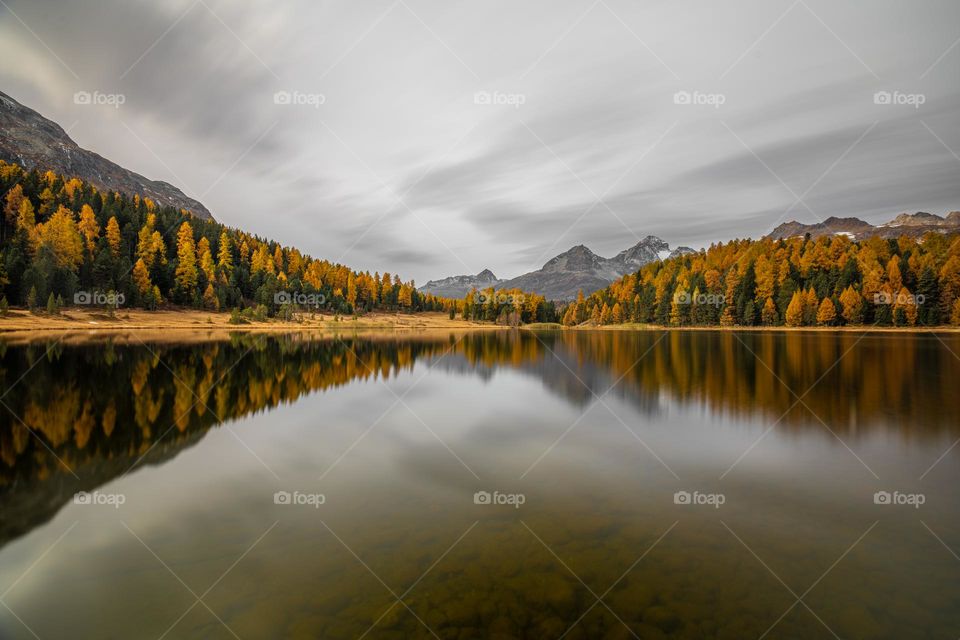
(827, 313)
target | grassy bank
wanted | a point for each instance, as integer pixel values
(185, 324)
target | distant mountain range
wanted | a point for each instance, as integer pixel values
(32, 141)
(908, 224)
(564, 275)
(458, 286)
(579, 268)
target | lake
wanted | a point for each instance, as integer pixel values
(500, 484)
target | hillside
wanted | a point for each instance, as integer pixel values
(66, 242)
(32, 141)
(830, 280)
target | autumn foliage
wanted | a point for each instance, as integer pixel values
(60, 236)
(794, 282)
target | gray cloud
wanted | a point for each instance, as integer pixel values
(497, 186)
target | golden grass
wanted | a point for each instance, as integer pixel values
(81, 325)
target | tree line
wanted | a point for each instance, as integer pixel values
(63, 241)
(794, 282)
(510, 307)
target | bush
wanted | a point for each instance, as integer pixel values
(286, 312)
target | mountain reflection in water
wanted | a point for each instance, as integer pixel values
(87, 416)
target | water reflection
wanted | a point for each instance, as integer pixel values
(117, 416)
(111, 400)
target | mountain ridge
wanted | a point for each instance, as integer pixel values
(564, 275)
(909, 224)
(33, 141)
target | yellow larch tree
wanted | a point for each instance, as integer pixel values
(27, 224)
(225, 253)
(141, 278)
(852, 303)
(113, 236)
(827, 313)
(89, 228)
(617, 314)
(11, 209)
(61, 235)
(768, 315)
(795, 310)
(186, 272)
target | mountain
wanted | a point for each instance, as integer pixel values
(566, 274)
(459, 286)
(909, 224)
(681, 251)
(32, 141)
(924, 219)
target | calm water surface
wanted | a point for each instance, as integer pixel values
(190, 452)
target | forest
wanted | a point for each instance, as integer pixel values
(794, 282)
(63, 242)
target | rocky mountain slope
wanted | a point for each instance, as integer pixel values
(909, 224)
(29, 139)
(566, 274)
(459, 286)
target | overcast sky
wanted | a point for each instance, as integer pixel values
(456, 136)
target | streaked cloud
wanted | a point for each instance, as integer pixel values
(581, 105)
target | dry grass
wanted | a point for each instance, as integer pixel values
(80, 325)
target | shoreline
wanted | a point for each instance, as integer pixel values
(74, 326)
(765, 329)
(89, 325)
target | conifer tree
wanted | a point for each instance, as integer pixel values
(225, 253)
(852, 304)
(113, 236)
(89, 229)
(617, 314)
(186, 272)
(827, 313)
(794, 316)
(141, 278)
(769, 313)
